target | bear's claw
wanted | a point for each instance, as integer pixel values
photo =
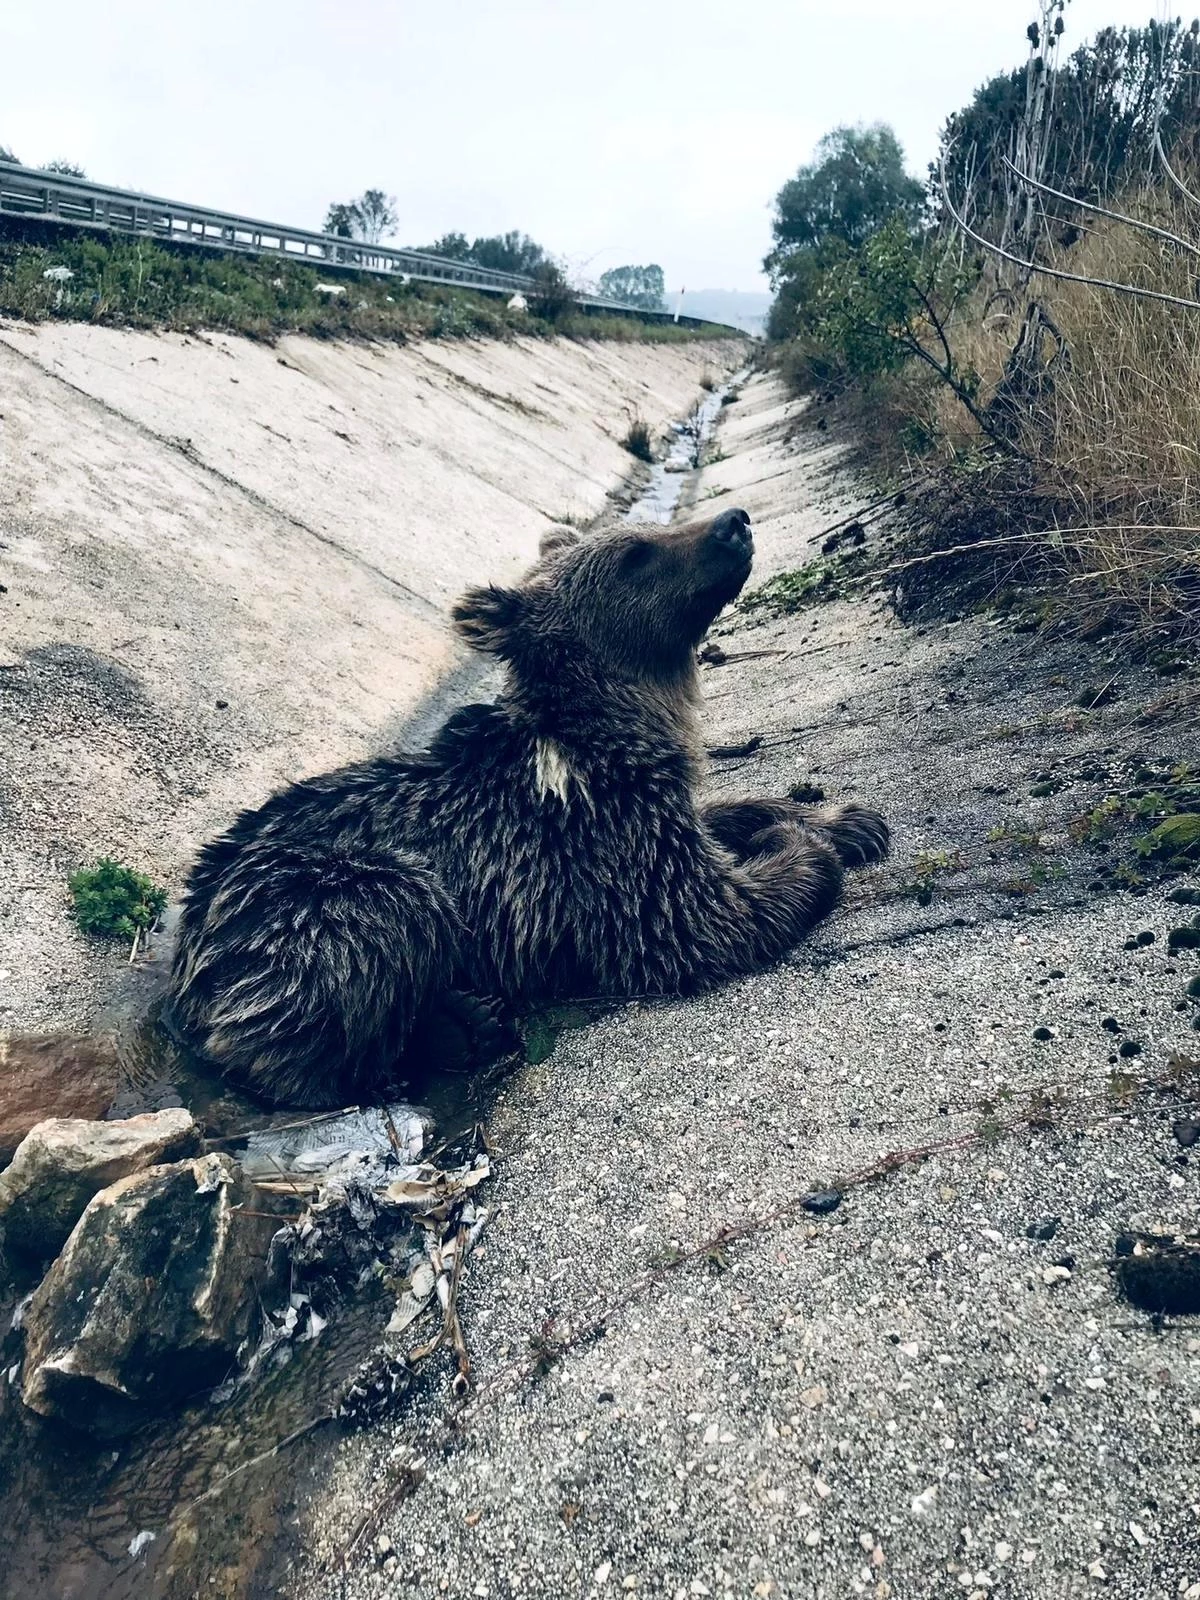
(860, 835)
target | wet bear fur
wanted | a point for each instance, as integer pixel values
(553, 844)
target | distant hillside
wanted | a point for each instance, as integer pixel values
(737, 306)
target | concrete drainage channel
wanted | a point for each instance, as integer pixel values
(334, 1247)
(660, 497)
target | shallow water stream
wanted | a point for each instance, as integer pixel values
(659, 499)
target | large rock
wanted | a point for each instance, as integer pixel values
(52, 1075)
(155, 1296)
(61, 1163)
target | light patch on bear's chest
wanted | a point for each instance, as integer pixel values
(553, 773)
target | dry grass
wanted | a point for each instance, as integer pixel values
(1112, 443)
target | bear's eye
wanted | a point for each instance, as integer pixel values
(636, 554)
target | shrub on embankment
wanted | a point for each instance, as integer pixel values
(138, 284)
(1056, 420)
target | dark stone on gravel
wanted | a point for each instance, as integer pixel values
(1111, 1025)
(823, 1201)
(1161, 1274)
(1145, 937)
(808, 794)
(1184, 938)
(727, 752)
(1044, 1228)
(1130, 1047)
(1043, 1034)
(1187, 1132)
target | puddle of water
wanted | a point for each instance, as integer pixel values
(71, 1508)
(659, 500)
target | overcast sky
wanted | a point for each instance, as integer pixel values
(632, 130)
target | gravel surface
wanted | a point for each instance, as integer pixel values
(930, 1387)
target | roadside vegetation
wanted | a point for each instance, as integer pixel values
(1018, 339)
(139, 284)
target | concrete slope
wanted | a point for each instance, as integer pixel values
(686, 1383)
(227, 565)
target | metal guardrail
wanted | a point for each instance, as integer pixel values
(79, 203)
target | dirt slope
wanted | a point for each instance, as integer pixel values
(226, 565)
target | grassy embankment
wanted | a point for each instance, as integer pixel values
(138, 284)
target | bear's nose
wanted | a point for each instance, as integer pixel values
(732, 528)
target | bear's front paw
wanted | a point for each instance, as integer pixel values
(859, 835)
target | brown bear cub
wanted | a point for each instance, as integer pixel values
(552, 844)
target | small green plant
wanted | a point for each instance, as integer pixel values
(827, 578)
(1099, 824)
(1178, 838)
(1046, 1110)
(1016, 839)
(638, 441)
(1038, 876)
(114, 901)
(927, 867)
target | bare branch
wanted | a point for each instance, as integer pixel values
(1170, 172)
(1102, 211)
(1057, 272)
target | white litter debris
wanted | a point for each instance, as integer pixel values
(140, 1542)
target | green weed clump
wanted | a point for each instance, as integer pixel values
(113, 901)
(829, 578)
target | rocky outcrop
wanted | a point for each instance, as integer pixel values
(62, 1162)
(155, 1296)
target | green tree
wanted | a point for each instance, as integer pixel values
(890, 302)
(552, 297)
(370, 218)
(66, 169)
(854, 185)
(636, 286)
(454, 246)
(340, 220)
(8, 155)
(509, 252)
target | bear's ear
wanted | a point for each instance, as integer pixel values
(557, 538)
(488, 618)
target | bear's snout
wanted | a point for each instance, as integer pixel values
(732, 530)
